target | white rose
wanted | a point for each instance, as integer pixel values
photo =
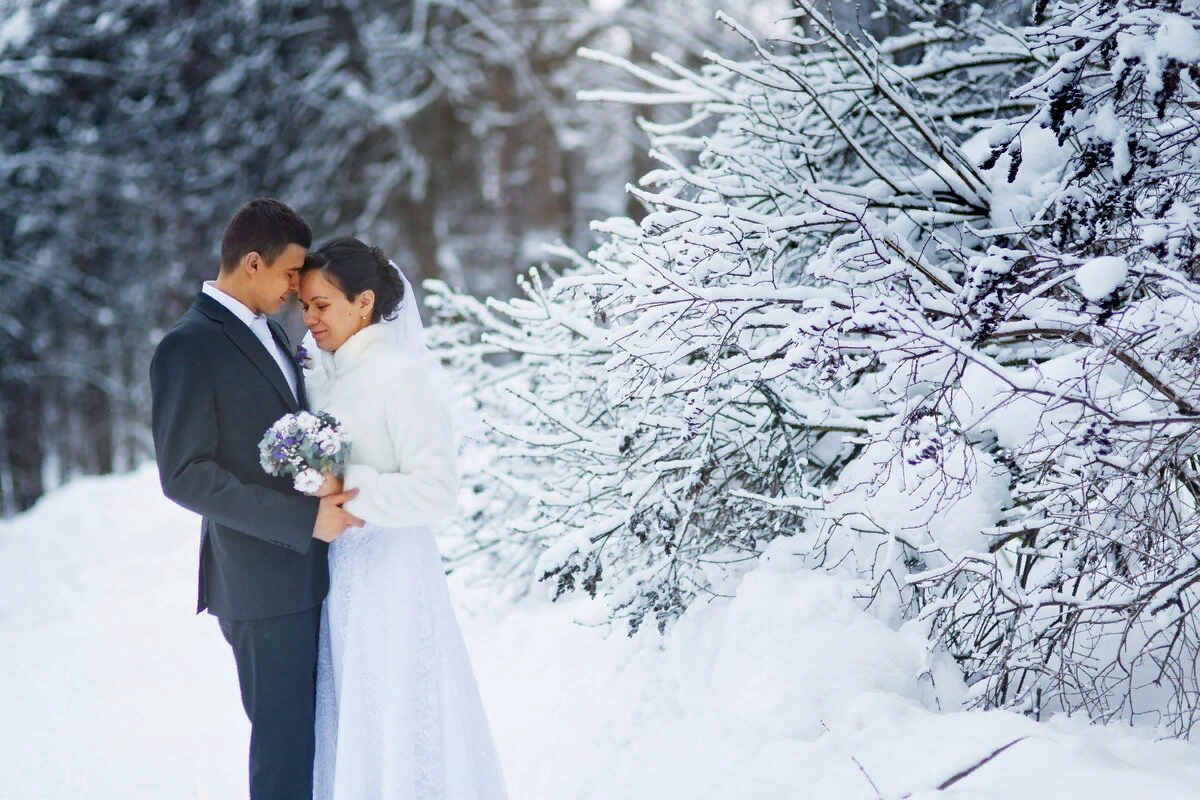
(308, 481)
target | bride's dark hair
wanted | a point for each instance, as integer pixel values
(354, 267)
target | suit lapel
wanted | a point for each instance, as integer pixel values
(249, 344)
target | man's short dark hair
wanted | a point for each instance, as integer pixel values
(264, 226)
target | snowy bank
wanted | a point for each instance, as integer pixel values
(112, 688)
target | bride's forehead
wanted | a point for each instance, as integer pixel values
(315, 280)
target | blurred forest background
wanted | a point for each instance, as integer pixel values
(447, 131)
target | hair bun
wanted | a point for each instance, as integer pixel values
(382, 262)
(391, 286)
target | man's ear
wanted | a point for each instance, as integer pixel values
(251, 261)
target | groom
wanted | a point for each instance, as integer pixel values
(219, 379)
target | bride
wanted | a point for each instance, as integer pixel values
(398, 712)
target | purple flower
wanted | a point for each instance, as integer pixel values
(301, 355)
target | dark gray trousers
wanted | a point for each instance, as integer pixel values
(277, 670)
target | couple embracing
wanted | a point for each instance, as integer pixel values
(351, 665)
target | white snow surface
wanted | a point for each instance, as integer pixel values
(1098, 277)
(112, 688)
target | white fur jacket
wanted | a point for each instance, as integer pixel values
(402, 456)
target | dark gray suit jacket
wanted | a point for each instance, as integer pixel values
(215, 392)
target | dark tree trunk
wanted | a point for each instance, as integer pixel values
(22, 419)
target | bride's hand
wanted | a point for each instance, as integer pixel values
(332, 485)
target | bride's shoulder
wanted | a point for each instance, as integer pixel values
(388, 355)
(393, 365)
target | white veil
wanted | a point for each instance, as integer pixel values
(406, 328)
(408, 332)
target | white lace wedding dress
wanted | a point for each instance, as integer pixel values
(399, 715)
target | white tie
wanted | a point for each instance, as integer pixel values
(263, 332)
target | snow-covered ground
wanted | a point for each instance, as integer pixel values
(111, 688)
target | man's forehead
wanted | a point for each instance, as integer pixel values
(292, 256)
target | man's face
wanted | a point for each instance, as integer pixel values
(273, 282)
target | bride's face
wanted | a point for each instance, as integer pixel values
(328, 313)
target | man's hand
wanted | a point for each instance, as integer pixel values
(332, 519)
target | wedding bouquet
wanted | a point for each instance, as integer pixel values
(305, 445)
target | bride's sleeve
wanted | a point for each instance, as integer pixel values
(425, 486)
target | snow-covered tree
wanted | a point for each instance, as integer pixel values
(705, 436)
(1086, 598)
(926, 304)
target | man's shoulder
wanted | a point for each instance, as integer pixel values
(193, 333)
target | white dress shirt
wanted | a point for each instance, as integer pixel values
(257, 323)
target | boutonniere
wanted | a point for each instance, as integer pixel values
(302, 357)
